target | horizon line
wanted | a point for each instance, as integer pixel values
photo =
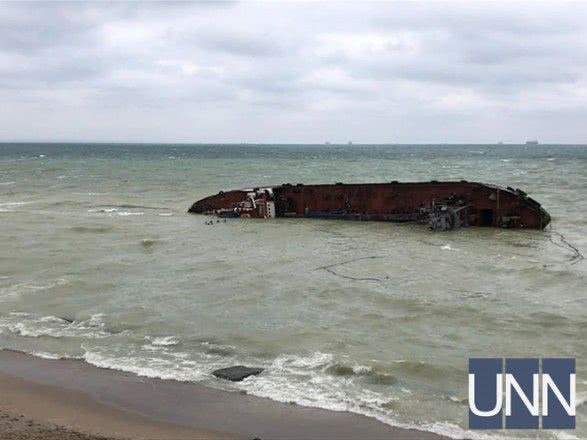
(346, 144)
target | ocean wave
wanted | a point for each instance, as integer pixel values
(55, 326)
(127, 213)
(341, 369)
(129, 206)
(301, 380)
(451, 430)
(102, 210)
(111, 211)
(13, 204)
(61, 203)
(154, 367)
(581, 399)
(421, 370)
(117, 207)
(562, 435)
(366, 374)
(448, 247)
(17, 289)
(218, 349)
(99, 229)
(52, 356)
(164, 341)
(289, 379)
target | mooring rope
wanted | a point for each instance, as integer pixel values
(348, 277)
(568, 246)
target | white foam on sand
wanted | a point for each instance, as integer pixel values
(289, 378)
(302, 380)
(153, 367)
(53, 356)
(562, 435)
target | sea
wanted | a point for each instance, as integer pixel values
(100, 261)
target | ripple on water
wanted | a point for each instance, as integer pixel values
(93, 229)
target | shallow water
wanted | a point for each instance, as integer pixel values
(100, 261)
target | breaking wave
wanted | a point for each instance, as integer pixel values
(314, 380)
(23, 324)
(163, 341)
(103, 210)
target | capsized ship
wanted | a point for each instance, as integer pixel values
(441, 205)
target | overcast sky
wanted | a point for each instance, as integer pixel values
(383, 72)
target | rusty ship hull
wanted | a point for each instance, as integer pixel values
(442, 205)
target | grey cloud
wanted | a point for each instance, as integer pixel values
(489, 77)
(244, 44)
(33, 29)
(470, 18)
(282, 65)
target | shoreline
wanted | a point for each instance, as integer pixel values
(79, 397)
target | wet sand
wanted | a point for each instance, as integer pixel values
(67, 399)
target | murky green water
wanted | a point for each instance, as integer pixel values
(100, 261)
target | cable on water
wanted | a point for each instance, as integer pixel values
(330, 269)
(563, 243)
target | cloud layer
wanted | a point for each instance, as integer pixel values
(382, 72)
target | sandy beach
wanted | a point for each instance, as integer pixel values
(68, 399)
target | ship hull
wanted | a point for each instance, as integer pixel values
(443, 205)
